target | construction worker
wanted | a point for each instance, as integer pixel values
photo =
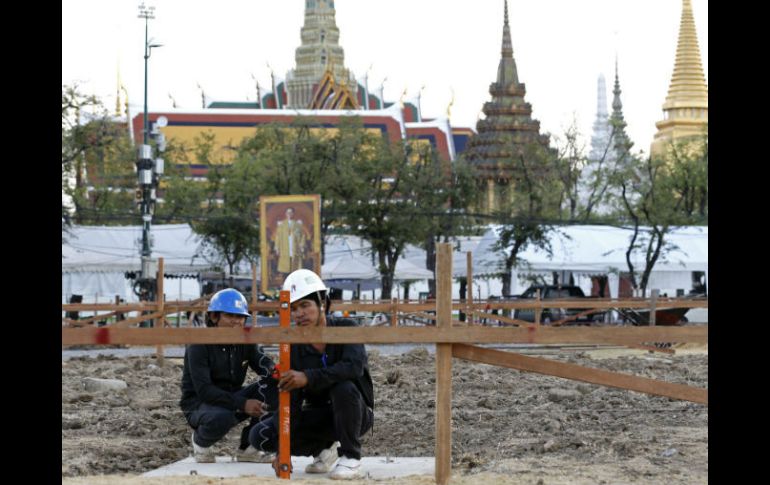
(213, 397)
(332, 395)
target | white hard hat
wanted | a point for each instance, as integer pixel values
(302, 283)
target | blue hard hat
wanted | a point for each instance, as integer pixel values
(229, 301)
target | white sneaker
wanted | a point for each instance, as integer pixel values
(324, 461)
(347, 469)
(202, 454)
(254, 455)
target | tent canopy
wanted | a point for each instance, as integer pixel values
(351, 267)
(104, 249)
(597, 250)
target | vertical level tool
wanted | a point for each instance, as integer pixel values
(284, 397)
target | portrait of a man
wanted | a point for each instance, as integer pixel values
(289, 242)
(290, 237)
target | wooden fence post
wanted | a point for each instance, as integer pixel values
(394, 312)
(653, 304)
(469, 278)
(254, 293)
(539, 309)
(444, 365)
(162, 318)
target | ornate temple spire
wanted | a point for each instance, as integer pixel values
(600, 138)
(506, 71)
(685, 111)
(601, 98)
(320, 49)
(507, 50)
(506, 132)
(620, 141)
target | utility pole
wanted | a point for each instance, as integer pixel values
(149, 170)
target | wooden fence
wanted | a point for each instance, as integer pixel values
(451, 337)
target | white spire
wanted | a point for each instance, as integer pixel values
(600, 138)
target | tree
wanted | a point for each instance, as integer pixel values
(97, 163)
(530, 201)
(231, 236)
(182, 197)
(229, 224)
(660, 194)
(688, 162)
(647, 195)
(453, 219)
(588, 192)
(401, 188)
(297, 159)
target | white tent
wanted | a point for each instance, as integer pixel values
(406, 270)
(601, 250)
(351, 267)
(416, 255)
(347, 268)
(96, 258)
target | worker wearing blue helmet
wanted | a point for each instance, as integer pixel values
(213, 397)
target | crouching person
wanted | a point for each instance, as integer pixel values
(213, 397)
(332, 395)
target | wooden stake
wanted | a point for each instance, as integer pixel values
(469, 292)
(444, 365)
(653, 304)
(159, 321)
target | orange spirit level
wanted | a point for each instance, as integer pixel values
(284, 397)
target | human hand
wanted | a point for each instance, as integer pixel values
(254, 407)
(291, 380)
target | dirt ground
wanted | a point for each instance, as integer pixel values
(508, 427)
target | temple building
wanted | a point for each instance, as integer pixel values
(610, 149)
(507, 131)
(320, 56)
(686, 109)
(319, 87)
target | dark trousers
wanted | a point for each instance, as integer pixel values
(345, 419)
(212, 423)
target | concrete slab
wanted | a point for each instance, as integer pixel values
(376, 467)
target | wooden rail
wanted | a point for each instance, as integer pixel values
(580, 373)
(410, 306)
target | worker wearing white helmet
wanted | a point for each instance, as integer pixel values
(332, 394)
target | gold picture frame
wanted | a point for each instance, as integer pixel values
(290, 237)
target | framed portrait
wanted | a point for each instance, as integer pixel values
(290, 237)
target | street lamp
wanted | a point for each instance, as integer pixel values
(145, 163)
(147, 172)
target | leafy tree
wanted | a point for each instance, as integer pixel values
(659, 194)
(402, 188)
(688, 162)
(233, 237)
(453, 218)
(97, 162)
(588, 191)
(225, 204)
(183, 197)
(527, 204)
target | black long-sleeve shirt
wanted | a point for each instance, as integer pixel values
(214, 372)
(339, 362)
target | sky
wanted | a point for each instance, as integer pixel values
(441, 46)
